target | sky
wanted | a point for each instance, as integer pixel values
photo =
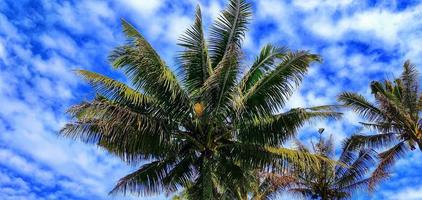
(42, 42)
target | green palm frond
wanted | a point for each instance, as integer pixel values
(219, 87)
(102, 122)
(373, 141)
(194, 58)
(147, 71)
(360, 105)
(277, 129)
(277, 158)
(410, 87)
(271, 92)
(115, 90)
(147, 180)
(262, 64)
(229, 29)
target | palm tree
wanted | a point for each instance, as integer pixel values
(394, 115)
(333, 182)
(209, 126)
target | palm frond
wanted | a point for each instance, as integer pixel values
(358, 169)
(360, 185)
(229, 29)
(272, 91)
(127, 133)
(180, 175)
(410, 86)
(115, 90)
(263, 63)
(277, 158)
(277, 129)
(147, 180)
(219, 87)
(194, 58)
(388, 158)
(147, 71)
(372, 141)
(359, 104)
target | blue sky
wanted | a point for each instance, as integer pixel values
(41, 42)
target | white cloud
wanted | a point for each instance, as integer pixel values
(176, 26)
(143, 7)
(314, 4)
(7, 28)
(59, 42)
(409, 193)
(23, 166)
(382, 24)
(3, 52)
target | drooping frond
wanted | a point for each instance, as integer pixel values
(357, 170)
(229, 29)
(262, 64)
(276, 158)
(147, 71)
(115, 90)
(125, 132)
(387, 160)
(272, 91)
(277, 129)
(372, 141)
(147, 180)
(194, 58)
(180, 175)
(360, 105)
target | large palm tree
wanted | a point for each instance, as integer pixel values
(333, 182)
(205, 128)
(395, 115)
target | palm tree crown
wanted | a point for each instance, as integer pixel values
(334, 182)
(201, 130)
(395, 115)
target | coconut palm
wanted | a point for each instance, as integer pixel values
(395, 115)
(333, 182)
(205, 128)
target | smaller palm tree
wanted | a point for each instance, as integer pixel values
(329, 181)
(394, 115)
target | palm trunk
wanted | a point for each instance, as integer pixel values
(207, 188)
